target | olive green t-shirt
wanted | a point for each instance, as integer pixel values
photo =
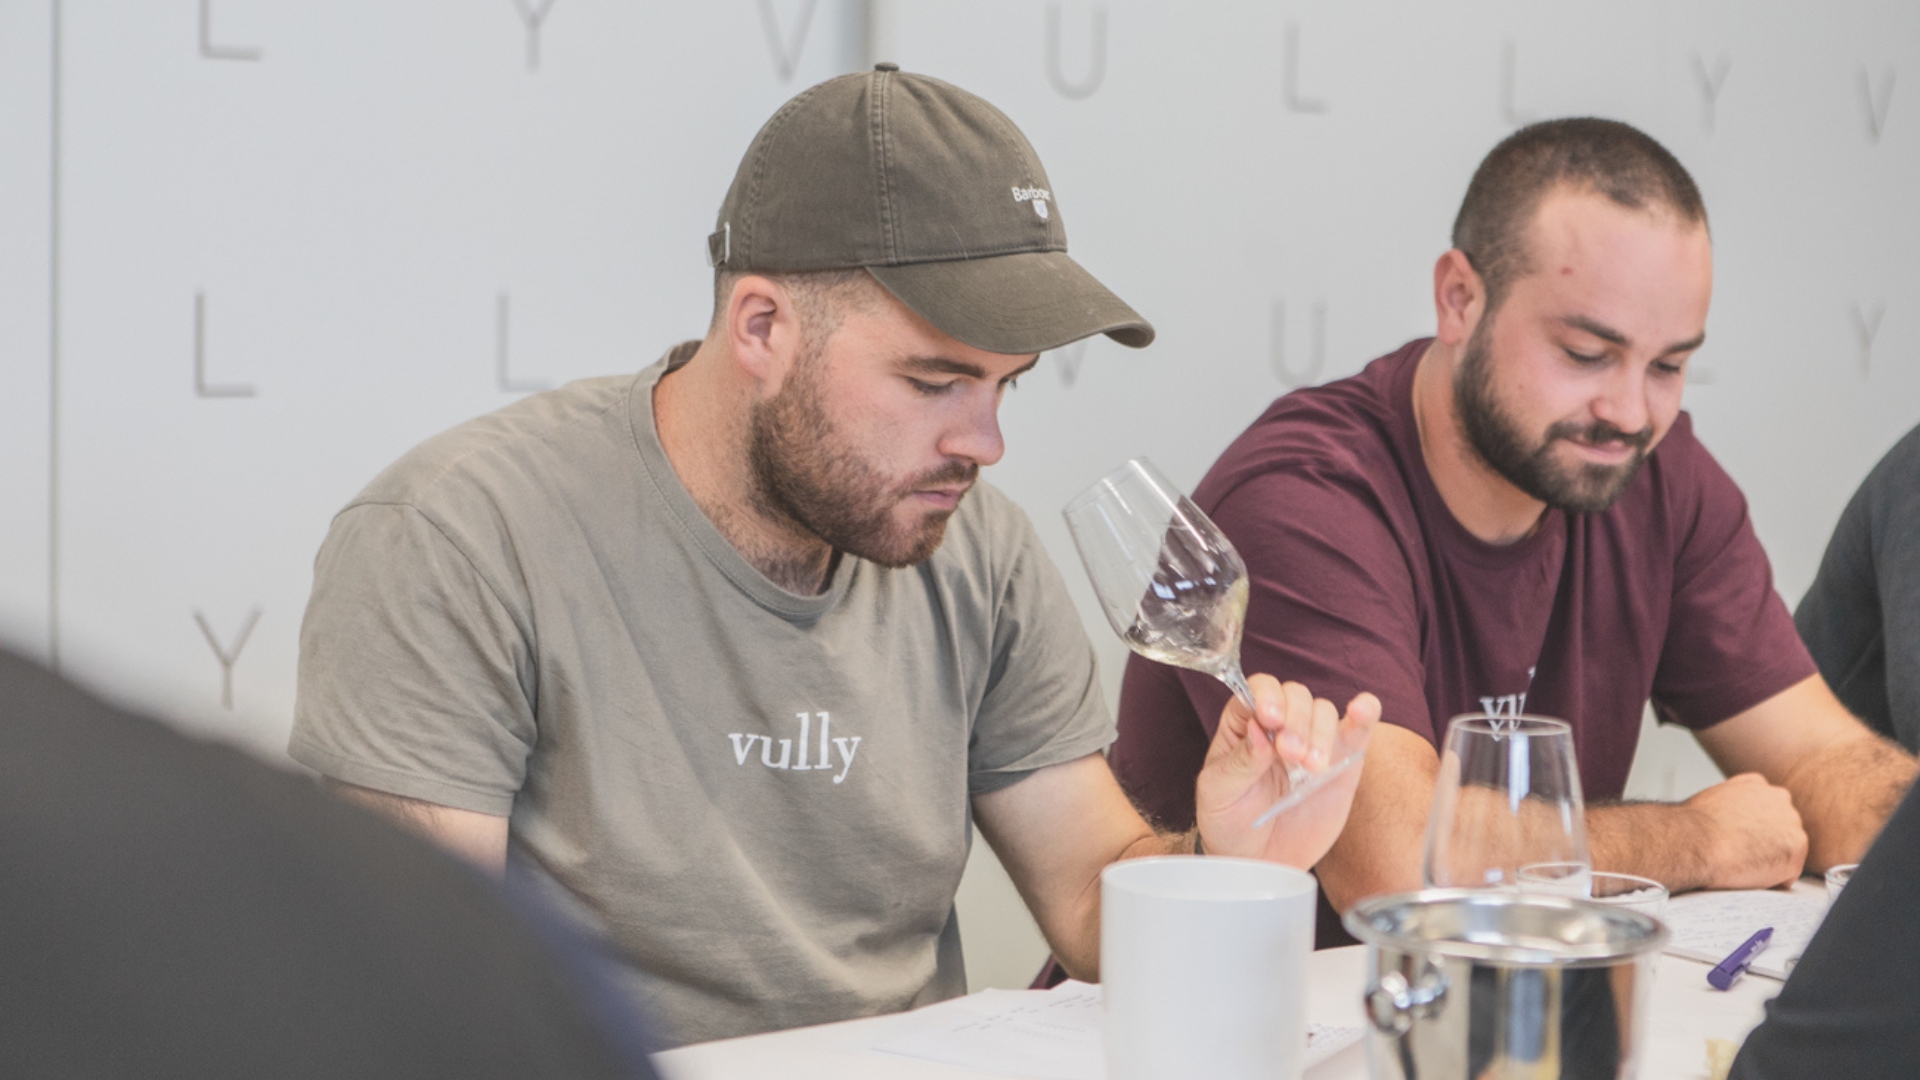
(760, 798)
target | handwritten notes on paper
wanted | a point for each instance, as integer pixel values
(1052, 1035)
(1708, 925)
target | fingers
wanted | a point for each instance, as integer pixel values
(1296, 736)
(1306, 730)
(1326, 729)
(1269, 708)
(1364, 710)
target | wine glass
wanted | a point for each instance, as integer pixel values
(1837, 879)
(1508, 797)
(1629, 891)
(1173, 587)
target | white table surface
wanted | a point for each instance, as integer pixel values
(1684, 1012)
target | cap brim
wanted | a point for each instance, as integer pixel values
(1027, 302)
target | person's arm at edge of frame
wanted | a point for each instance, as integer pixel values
(1848, 1007)
(479, 838)
(1057, 829)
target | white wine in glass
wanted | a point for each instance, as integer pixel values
(1199, 628)
(1172, 586)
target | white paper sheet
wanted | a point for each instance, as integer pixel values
(1708, 926)
(1052, 1035)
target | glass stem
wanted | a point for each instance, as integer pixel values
(1237, 682)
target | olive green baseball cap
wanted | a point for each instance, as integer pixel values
(936, 194)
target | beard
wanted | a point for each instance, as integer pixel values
(1584, 488)
(805, 473)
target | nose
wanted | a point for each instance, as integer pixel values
(975, 435)
(1623, 403)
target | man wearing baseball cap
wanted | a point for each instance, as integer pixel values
(728, 655)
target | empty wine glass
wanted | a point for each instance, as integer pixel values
(1507, 797)
(1837, 879)
(1172, 586)
(1629, 891)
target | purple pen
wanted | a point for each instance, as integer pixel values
(1736, 964)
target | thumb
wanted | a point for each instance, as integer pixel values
(1363, 711)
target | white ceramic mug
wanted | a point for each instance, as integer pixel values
(1203, 966)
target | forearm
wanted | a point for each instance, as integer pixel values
(1379, 853)
(478, 838)
(1075, 933)
(1055, 832)
(1668, 842)
(1845, 793)
(1742, 833)
(1346, 882)
(1380, 849)
(1840, 779)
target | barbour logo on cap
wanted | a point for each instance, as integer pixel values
(1038, 196)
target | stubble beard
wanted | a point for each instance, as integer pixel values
(1586, 488)
(805, 474)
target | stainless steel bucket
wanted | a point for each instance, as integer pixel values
(1467, 984)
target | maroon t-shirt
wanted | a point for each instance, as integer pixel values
(1363, 580)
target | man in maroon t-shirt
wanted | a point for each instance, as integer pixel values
(1481, 522)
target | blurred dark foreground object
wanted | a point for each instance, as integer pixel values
(174, 908)
(1851, 1008)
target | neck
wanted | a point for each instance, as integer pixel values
(700, 411)
(1485, 503)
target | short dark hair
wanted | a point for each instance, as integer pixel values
(821, 297)
(1604, 157)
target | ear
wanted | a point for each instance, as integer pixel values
(1459, 298)
(763, 330)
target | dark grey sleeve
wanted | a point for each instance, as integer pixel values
(415, 675)
(1896, 560)
(1852, 1006)
(1839, 619)
(1861, 617)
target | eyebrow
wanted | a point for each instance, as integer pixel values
(941, 365)
(1614, 337)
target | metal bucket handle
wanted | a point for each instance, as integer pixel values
(1394, 1004)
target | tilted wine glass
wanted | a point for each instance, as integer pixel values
(1172, 586)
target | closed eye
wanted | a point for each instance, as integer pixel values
(1583, 358)
(929, 389)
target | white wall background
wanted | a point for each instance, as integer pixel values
(251, 250)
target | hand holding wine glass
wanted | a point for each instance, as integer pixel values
(1175, 591)
(1243, 773)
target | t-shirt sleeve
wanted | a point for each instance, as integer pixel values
(1332, 599)
(415, 677)
(1730, 642)
(1840, 618)
(1042, 704)
(1861, 617)
(1896, 560)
